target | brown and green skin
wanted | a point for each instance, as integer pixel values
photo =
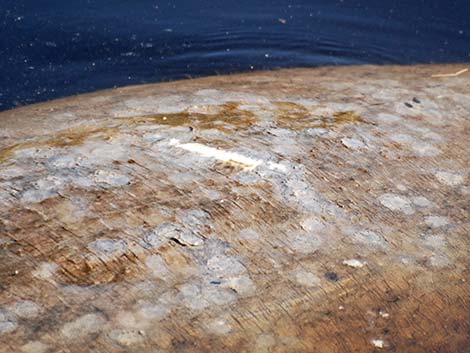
(82, 169)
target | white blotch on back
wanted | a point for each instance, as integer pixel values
(305, 243)
(83, 326)
(422, 202)
(439, 261)
(312, 224)
(402, 138)
(436, 221)
(180, 233)
(219, 326)
(7, 322)
(45, 270)
(424, 149)
(306, 278)
(435, 241)
(222, 265)
(64, 161)
(25, 309)
(367, 238)
(448, 178)
(387, 118)
(264, 343)
(188, 237)
(34, 347)
(42, 189)
(352, 143)
(147, 311)
(397, 203)
(127, 337)
(218, 295)
(108, 246)
(158, 267)
(110, 177)
(191, 296)
(12, 171)
(249, 234)
(243, 284)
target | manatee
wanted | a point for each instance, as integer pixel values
(286, 211)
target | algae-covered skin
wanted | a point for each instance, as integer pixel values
(303, 210)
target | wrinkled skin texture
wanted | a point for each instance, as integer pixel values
(306, 210)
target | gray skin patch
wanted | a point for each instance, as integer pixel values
(318, 132)
(11, 172)
(198, 297)
(166, 230)
(158, 267)
(397, 203)
(174, 232)
(420, 148)
(402, 138)
(183, 179)
(306, 278)
(82, 327)
(265, 343)
(312, 224)
(108, 246)
(219, 327)
(305, 243)
(352, 143)
(191, 297)
(188, 237)
(34, 347)
(436, 221)
(218, 295)
(436, 242)
(63, 161)
(299, 192)
(46, 270)
(249, 234)
(422, 202)
(194, 219)
(424, 149)
(25, 309)
(7, 322)
(111, 178)
(160, 235)
(242, 285)
(127, 338)
(42, 189)
(224, 266)
(439, 261)
(150, 311)
(388, 118)
(292, 187)
(368, 238)
(130, 320)
(247, 178)
(449, 178)
(7, 198)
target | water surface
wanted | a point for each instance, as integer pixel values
(52, 48)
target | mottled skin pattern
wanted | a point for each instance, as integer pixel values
(306, 210)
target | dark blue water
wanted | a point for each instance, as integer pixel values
(56, 48)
